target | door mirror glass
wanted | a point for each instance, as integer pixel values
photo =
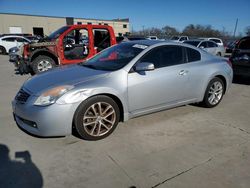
(144, 66)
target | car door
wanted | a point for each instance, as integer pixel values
(9, 42)
(212, 47)
(161, 86)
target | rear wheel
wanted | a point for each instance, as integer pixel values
(214, 93)
(42, 63)
(96, 118)
(2, 50)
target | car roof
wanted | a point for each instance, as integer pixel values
(155, 42)
(8, 36)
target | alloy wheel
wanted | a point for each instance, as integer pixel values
(99, 119)
(44, 66)
(215, 93)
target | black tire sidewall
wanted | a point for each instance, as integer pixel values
(205, 102)
(78, 121)
(39, 59)
(3, 50)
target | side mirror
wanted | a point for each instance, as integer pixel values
(144, 66)
(202, 47)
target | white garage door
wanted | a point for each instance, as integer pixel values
(15, 29)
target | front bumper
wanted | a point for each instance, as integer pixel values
(49, 121)
(14, 58)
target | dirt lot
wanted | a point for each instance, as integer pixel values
(185, 147)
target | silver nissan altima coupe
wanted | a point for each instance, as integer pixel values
(124, 81)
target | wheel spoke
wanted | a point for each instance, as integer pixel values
(106, 110)
(105, 119)
(99, 108)
(109, 114)
(93, 129)
(93, 108)
(104, 125)
(89, 123)
(98, 129)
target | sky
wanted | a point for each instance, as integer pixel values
(220, 14)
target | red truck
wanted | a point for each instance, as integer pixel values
(68, 45)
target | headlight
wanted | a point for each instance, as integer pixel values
(50, 96)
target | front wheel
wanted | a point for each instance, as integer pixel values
(97, 117)
(214, 93)
(42, 63)
(2, 50)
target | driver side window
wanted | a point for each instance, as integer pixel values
(76, 44)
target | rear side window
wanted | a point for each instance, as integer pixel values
(164, 56)
(203, 44)
(211, 44)
(193, 55)
(244, 44)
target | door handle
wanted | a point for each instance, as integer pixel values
(183, 72)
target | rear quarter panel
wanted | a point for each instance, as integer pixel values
(201, 73)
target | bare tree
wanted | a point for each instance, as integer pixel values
(169, 31)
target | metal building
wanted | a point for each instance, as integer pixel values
(44, 25)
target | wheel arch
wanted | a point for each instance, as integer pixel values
(223, 80)
(45, 53)
(112, 96)
(3, 48)
(218, 75)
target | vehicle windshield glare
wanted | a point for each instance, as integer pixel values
(116, 57)
(58, 32)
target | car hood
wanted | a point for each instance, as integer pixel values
(66, 75)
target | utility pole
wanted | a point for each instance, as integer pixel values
(143, 30)
(235, 28)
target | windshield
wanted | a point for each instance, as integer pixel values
(116, 57)
(193, 43)
(58, 32)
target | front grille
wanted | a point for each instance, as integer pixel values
(22, 96)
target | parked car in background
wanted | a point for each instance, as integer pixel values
(208, 46)
(216, 40)
(68, 45)
(179, 38)
(240, 57)
(152, 38)
(7, 42)
(122, 82)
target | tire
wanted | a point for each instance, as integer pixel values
(214, 93)
(42, 63)
(2, 50)
(93, 125)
